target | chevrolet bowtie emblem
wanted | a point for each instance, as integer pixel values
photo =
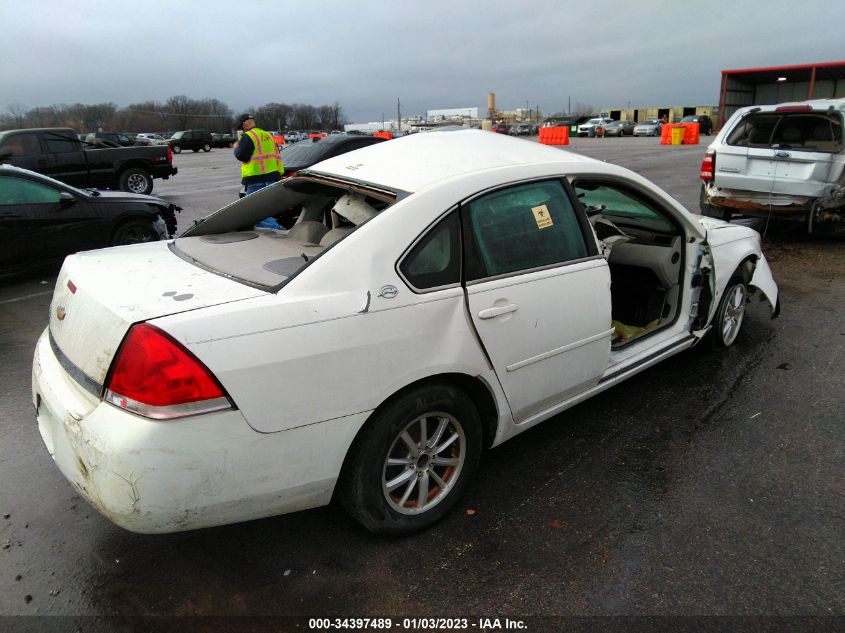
(60, 313)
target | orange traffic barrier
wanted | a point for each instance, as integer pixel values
(691, 133)
(554, 135)
(316, 135)
(383, 134)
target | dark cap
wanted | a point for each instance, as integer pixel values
(244, 118)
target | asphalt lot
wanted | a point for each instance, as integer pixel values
(709, 485)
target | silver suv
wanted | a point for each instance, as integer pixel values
(778, 161)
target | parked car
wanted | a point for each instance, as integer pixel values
(110, 139)
(589, 128)
(524, 129)
(155, 139)
(43, 220)
(222, 140)
(463, 290)
(300, 156)
(649, 127)
(57, 152)
(705, 124)
(500, 128)
(294, 136)
(779, 161)
(619, 128)
(191, 139)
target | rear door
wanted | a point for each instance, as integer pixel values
(67, 162)
(538, 293)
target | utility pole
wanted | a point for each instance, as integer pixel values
(398, 115)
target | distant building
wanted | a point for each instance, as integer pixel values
(452, 114)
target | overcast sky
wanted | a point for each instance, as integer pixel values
(432, 54)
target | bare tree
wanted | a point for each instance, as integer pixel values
(17, 114)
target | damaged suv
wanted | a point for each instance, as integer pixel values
(778, 161)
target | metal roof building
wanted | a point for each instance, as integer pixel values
(779, 84)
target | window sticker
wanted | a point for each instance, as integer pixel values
(541, 215)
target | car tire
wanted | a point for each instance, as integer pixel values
(134, 232)
(136, 180)
(206, 148)
(730, 314)
(177, 149)
(400, 477)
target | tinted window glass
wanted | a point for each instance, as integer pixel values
(23, 145)
(755, 131)
(521, 228)
(814, 131)
(436, 259)
(58, 143)
(20, 191)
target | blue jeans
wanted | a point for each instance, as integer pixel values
(266, 223)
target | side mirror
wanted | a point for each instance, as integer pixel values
(5, 154)
(66, 199)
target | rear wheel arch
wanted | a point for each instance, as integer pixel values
(406, 501)
(478, 393)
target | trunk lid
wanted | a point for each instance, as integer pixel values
(100, 294)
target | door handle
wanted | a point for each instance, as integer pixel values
(782, 154)
(492, 313)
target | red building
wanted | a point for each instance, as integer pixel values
(779, 84)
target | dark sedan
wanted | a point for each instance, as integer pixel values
(705, 123)
(43, 220)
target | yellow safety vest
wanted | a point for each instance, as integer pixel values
(265, 159)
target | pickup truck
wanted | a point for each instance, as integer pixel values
(58, 153)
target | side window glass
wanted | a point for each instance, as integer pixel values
(754, 131)
(59, 144)
(23, 145)
(521, 228)
(20, 191)
(436, 259)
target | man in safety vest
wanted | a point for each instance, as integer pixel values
(261, 164)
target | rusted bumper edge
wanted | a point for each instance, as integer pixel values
(829, 209)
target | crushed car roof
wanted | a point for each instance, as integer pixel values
(413, 162)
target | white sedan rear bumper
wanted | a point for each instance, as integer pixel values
(167, 476)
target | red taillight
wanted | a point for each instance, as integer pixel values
(169, 154)
(794, 108)
(155, 376)
(708, 166)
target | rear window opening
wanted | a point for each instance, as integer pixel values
(807, 131)
(325, 211)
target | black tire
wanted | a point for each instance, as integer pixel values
(730, 314)
(206, 148)
(378, 494)
(134, 232)
(136, 180)
(196, 150)
(177, 149)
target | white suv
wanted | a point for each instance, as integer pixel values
(778, 161)
(589, 128)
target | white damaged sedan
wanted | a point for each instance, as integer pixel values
(438, 295)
